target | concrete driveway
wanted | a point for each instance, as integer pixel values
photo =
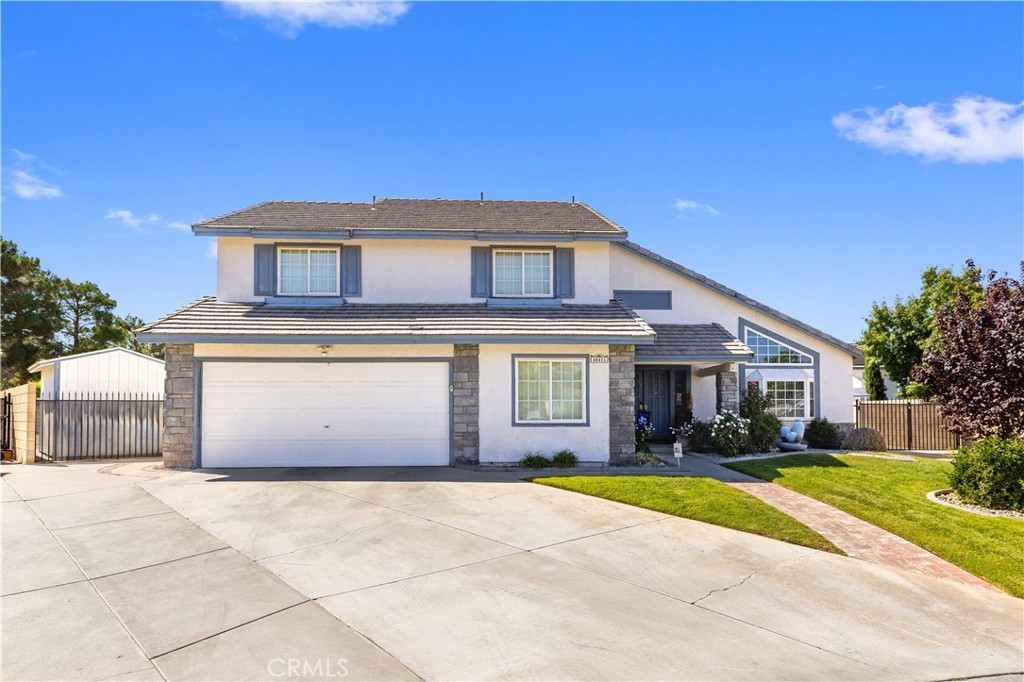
(125, 572)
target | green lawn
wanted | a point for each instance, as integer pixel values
(891, 494)
(701, 499)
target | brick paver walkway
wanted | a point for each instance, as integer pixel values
(859, 539)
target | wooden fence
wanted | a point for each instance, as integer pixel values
(907, 424)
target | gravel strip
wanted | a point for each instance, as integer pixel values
(950, 499)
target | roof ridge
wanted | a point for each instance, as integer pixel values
(742, 298)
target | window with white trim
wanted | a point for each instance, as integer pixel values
(550, 390)
(308, 271)
(522, 273)
(768, 351)
(789, 398)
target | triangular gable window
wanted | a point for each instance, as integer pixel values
(771, 352)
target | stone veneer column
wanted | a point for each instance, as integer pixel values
(727, 392)
(621, 405)
(466, 394)
(179, 400)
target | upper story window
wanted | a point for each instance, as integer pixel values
(308, 271)
(522, 273)
(768, 351)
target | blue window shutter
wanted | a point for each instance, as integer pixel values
(265, 279)
(351, 271)
(481, 272)
(565, 274)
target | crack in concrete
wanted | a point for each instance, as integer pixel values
(341, 537)
(749, 576)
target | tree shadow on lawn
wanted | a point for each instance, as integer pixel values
(771, 469)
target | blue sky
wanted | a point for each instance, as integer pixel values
(713, 132)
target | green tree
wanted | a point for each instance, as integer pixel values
(31, 315)
(130, 323)
(874, 382)
(898, 334)
(87, 316)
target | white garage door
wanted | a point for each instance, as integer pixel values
(273, 414)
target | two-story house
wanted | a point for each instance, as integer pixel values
(428, 332)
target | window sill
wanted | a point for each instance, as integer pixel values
(549, 424)
(311, 301)
(524, 302)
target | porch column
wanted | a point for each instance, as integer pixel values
(179, 402)
(621, 405)
(727, 392)
(466, 398)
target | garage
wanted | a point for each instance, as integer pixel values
(324, 414)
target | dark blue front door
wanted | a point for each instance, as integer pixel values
(653, 394)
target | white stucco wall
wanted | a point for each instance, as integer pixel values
(500, 441)
(693, 303)
(705, 396)
(410, 270)
(114, 372)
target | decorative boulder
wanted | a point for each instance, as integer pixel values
(798, 429)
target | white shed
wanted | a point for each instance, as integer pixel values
(108, 371)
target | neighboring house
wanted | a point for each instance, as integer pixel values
(111, 371)
(427, 332)
(860, 391)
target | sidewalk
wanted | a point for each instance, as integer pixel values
(859, 539)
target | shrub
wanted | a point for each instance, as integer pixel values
(647, 459)
(534, 460)
(763, 431)
(729, 433)
(821, 433)
(864, 439)
(700, 436)
(990, 473)
(565, 459)
(753, 403)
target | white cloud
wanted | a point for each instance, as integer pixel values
(29, 186)
(971, 129)
(142, 224)
(211, 249)
(24, 178)
(686, 205)
(125, 217)
(290, 16)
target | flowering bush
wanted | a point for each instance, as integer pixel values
(644, 430)
(729, 433)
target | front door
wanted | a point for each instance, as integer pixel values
(653, 395)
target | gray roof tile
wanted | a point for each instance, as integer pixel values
(420, 215)
(694, 342)
(211, 319)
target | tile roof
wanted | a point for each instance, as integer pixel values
(419, 215)
(850, 348)
(211, 320)
(709, 342)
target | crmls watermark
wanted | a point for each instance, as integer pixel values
(285, 668)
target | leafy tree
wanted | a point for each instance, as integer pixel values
(897, 334)
(130, 323)
(88, 319)
(874, 382)
(46, 316)
(30, 318)
(974, 366)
